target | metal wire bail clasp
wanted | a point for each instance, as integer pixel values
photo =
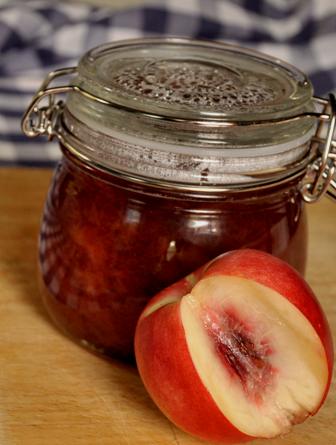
(322, 170)
(42, 119)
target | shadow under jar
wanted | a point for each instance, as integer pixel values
(174, 151)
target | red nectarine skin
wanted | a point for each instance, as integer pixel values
(279, 276)
(173, 382)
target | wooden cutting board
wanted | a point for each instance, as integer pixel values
(53, 392)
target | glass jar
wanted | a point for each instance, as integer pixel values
(174, 151)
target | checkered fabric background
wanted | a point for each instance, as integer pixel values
(37, 36)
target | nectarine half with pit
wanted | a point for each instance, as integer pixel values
(238, 350)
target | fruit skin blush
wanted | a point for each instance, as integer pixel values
(174, 152)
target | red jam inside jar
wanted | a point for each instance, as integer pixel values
(106, 248)
(174, 151)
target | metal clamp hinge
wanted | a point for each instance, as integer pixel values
(320, 177)
(42, 119)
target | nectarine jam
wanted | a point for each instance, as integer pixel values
(174, 151)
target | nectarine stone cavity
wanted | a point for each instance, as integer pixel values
(245, 355)
(174, 151)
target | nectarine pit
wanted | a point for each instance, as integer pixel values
(244, 354)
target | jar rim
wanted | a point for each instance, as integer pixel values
(143, 163)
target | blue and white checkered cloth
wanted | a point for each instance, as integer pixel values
(38, 36)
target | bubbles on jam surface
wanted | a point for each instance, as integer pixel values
(195, 84)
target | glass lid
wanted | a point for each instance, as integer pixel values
(188, 79)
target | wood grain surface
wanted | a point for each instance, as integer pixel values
(53, 392)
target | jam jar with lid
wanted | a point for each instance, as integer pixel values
(173, 152)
